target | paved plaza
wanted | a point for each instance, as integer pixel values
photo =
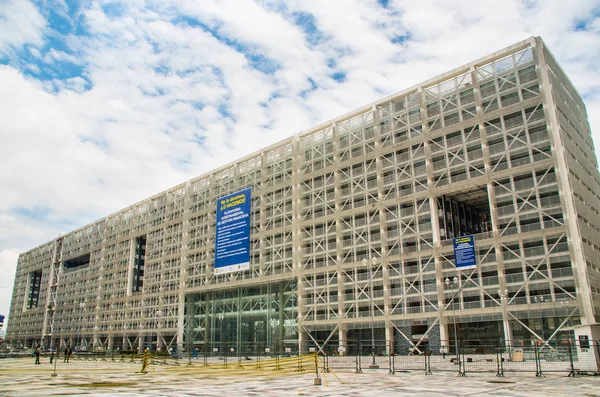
(20, 377)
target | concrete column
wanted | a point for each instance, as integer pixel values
(505, 317)
(300, 310)
(180, 320)
(141, 343)
(159, 341)
(281, 317)
(449, 328)
(389, 337)
(303, 340)
(187, 203)
(507, 328)
(343, 338)
(444, 332)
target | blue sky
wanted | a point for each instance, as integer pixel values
(104, 103)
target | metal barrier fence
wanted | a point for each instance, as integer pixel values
(569, 357)
(566, 356)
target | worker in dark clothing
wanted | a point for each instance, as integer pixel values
(67, 353)
(37, 354)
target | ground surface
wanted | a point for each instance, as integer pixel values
(20, 377)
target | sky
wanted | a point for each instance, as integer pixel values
(105, 103)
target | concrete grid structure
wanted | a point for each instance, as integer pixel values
(500, 149)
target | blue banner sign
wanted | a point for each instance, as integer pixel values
(232, 237)
(464, 252)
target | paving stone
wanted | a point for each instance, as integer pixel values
(20, 377)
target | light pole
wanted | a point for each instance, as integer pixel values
(366, 264)
(81, 308)
(539, 299)
(454, 283)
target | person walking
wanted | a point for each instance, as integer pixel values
(145, 360)
(37, 354)
(51, 356)
(67, 353)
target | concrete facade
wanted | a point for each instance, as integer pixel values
(500, 148)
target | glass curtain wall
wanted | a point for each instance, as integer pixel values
(245, 319)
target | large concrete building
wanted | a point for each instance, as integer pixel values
(351, 230)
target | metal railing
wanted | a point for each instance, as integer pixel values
(570, 357)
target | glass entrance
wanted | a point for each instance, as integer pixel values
(244, 318)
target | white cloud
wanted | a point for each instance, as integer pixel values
(162, 98)
(21, 24)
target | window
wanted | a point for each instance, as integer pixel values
(35, 280)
